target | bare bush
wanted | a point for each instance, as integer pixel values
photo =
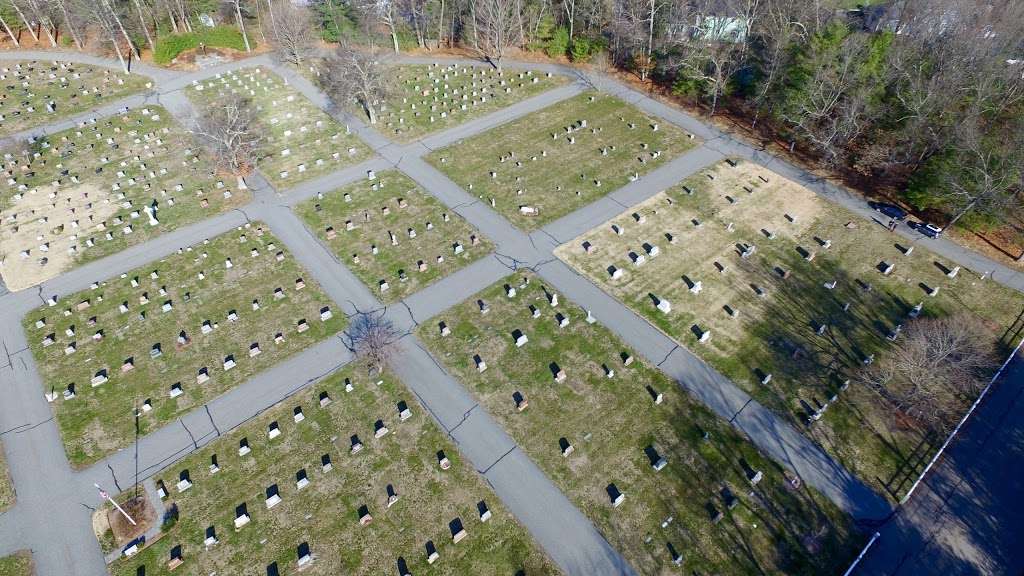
(231, 129)
(935, 368)
(356, 76)
(373, 339)
(291, 31)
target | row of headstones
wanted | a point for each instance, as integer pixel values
(168, 305)
(50, 76)
(131, 136)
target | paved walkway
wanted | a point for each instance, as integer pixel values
(48, 489)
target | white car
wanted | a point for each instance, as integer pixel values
(930, 230)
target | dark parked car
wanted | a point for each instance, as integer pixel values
(890, 210)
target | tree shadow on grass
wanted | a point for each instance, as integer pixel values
(820, 325)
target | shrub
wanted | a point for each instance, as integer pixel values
(168, 47)
(583, 48)
(559, 43)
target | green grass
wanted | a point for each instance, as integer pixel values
(325, 513)
(90, 217)
(315, 142)
(548, 173)
(17, 564)
(327, 217)
(6, 489)
(777, 334)
(168, 46)
(610, 421)
(74, 88)
(447, 89)
(99, 419)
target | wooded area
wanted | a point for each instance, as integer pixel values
(920, 99)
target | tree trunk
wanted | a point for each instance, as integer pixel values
(145, 29)
(440, 25)
(67, 21)
(174, 21)
(241, 25)
(46, 28)
(273, 23)
(394, 36)
(9, 33)
(370, 113)
(120, 26)
(117, 49)
(31, 30)
(970, 206)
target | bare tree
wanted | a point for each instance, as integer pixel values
(416, 14)
(28, 25)
(237, 5)
(355, 76)
(373, 339)
(107, 22)
(494, 27)
(935, 368)
(41, 13)
(230, 127)
(633, 27)
(706, 42)
(384, 12)
(143, 25)
(71, 22)
(986, 169)
(292, 31)
(14, 38)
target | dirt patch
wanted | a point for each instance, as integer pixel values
(139, 509)
(43, 231)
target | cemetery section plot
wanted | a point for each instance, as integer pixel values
(545, 165)
(352, 468)
(37, 92)
(17, 564)
(171, 335)
(789, 296)
(431, 98)
(85, 193)
(299, 140)
(394, 236)
(647, 464)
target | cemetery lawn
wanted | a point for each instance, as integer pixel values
(325, 513)
(569, 176)
(300, 141)
(328, 216)
(611, 421)
(6, 489)
(777, 334)
(444, 86)
(108, 174)
(17, 564)
(99, 419)
(68, 95)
